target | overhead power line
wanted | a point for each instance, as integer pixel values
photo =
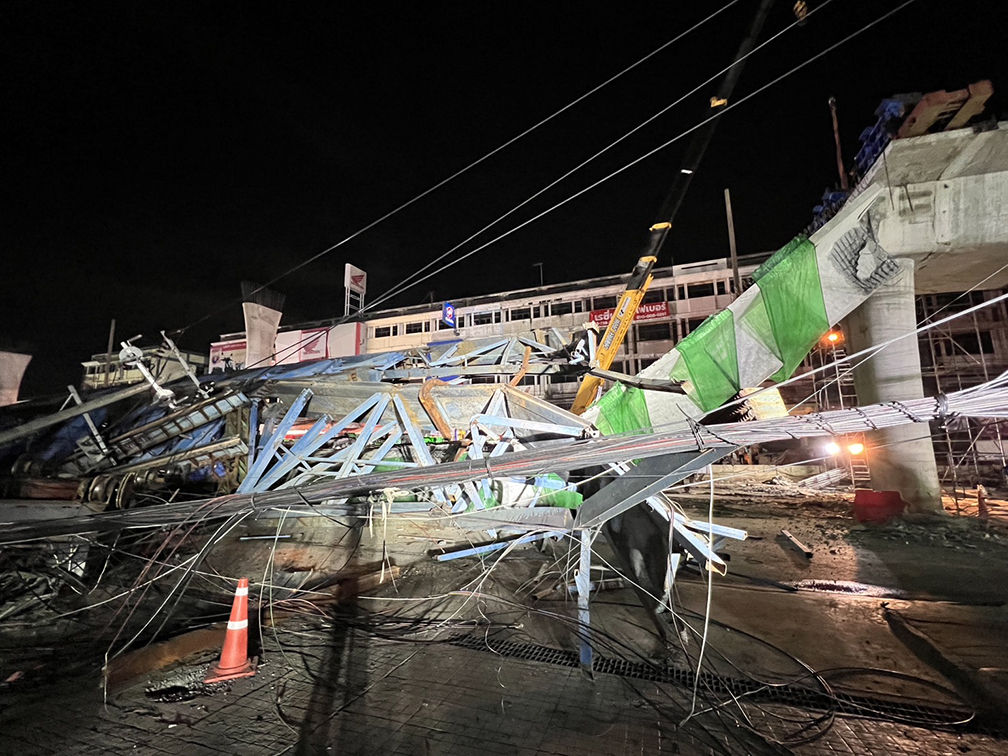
(637, 160)
(402, 285)
(471, 165)
(662, 146)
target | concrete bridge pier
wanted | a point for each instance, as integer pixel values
(900, 459)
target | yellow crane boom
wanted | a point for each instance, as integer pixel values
(623, 316)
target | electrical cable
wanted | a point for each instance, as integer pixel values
(402, 285)
(665, 144)
(471, 165)
(710, 591)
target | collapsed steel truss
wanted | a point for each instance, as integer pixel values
(338, 435)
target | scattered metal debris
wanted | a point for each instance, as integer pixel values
(798, 545)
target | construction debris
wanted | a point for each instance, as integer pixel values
(800, 547)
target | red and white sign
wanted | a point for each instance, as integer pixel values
(227, 355)
(650, 311)
(355, 279)
(314, 344)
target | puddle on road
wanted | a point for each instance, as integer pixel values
(847, 586)
(174, 693)
(183, 685)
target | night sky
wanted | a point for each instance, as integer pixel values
(156, 154)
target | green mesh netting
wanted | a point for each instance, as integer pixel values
(710, 357)
(679, 371)
(793, 296)
(622, 410)
(487, 497)
(562, 498)
(777, 257)
(757, 322)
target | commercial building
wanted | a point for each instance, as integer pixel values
(678, 300)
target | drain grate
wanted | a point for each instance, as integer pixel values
(903, 710)
(526, 651)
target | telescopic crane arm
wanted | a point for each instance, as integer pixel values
(623, 316)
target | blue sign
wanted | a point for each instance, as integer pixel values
(448, 314)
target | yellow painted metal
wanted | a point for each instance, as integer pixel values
(615, 332)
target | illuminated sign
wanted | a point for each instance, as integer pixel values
(650, 311)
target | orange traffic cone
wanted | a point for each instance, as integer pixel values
(234, 662)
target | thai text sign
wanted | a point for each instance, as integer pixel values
(650, 311)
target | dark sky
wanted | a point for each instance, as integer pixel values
(156, 154)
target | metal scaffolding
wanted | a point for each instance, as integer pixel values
(955, 355)
(961, 354)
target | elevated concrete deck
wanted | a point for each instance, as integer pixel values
(947, 208)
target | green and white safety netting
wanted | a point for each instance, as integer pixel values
(798, 294)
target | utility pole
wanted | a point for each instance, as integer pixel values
(731, 243)
(540, 266)
(839, 154)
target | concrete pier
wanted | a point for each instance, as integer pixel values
(900, 459)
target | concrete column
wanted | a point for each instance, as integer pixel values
(900, 459)
(12, 368)
(261, 324)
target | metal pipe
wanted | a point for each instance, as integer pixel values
(839, 154)
(108, 352)
(731, 243)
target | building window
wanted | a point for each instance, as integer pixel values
(382, 332)
(654, 332)
(521, 313)
(695, 323)
(561, 308)
(414, 327)
(536, 312)
(442, 326)
(426, 326)
(700, 290)
(720, 287)
(682, 292)
(579, 306)
(604, 303)
(497, 316)
(654, 295)
(482, 318)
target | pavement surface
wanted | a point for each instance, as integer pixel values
(905, 623)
